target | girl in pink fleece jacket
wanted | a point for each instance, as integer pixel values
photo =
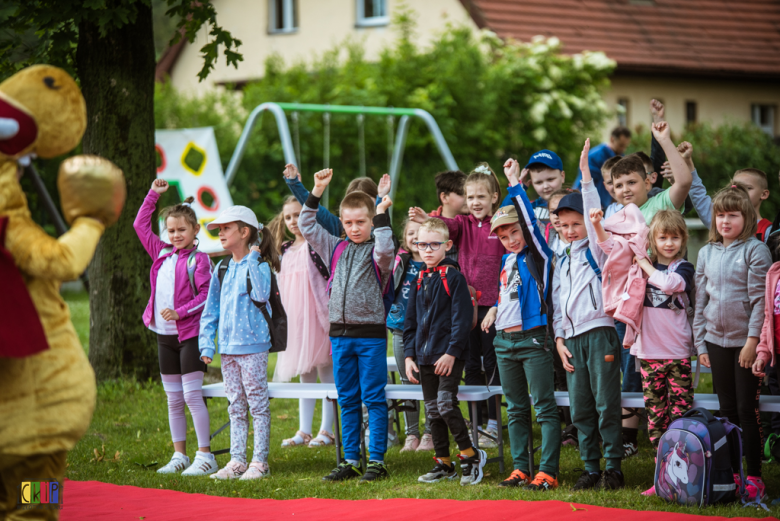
(180, 280)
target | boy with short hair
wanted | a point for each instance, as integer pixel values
(436, 336)
(544, 171)
(450, 191)
(357, 318)
(523, 342)
(606, 170)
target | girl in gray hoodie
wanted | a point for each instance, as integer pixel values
(730, 280)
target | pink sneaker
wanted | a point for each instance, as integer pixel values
(426, 443)
(649, 492)
(755, 488)
(234, 469)
(411, 443)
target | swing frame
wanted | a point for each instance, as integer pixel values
(279, 112)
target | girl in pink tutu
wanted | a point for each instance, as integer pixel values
(303, 285)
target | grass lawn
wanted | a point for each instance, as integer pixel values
(131, 423)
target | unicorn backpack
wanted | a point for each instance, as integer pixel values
(693, 466)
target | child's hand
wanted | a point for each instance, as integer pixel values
(747, 355)
(758, 368)
(657, 110)
(384, 186)
(686, 151)
(666, 172)
(564, 353)
(443, 366)
(291, 171)
(256, 248)
(512, 171)
(206, 359)
(169, 314)
(596, 215)
(321, 181)
(417, 214)
(661, 131)
(584, 167)
(489, 319)
(160, 186)
(384, 205)
(412, 368)
(705, 360)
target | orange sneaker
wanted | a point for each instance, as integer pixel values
(518, 478)
(543, 481)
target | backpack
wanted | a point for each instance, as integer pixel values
(388, 294)
(593, 264)
(277, 322)
(693, 466)
(315, 259)
(475, 295)
(192, 264)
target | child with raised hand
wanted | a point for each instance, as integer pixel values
(587, 341)
(523, 342)
(479, 256)
(544, 171)
(180, 280)
(358, 334)
(233, 318)
(730, 285)
(606, 170)
(303, 287)
(436, 331)
(408, 265)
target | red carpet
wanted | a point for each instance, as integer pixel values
(85, 500)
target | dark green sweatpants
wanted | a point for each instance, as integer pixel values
(594, 394)
(523, 359)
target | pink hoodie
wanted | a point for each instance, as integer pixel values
(766, 346)
(188, 308)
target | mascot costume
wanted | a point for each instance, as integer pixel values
(47, 387)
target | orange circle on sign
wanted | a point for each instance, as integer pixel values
(206, 190)
(163, 161)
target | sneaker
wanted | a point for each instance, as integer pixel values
(204, 464)
(344, 472)
(375, 471)
(256, 470)
(488, 442)
(411, 443)
(543, 482)
(233, 470)
(178, 463)
(587, 480)
(440, 471)
(630, 449)
(518, 478)
(649, 492)
(426, 443)
(612, 480)
(569, 436)
(755, 488)
(472, 467)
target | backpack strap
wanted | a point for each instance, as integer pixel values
(443, 272)
(334, 259)
(547, 232)
(593, 263)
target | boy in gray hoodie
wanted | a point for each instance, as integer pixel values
(587, 341)
(360, 266)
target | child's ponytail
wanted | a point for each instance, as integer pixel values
(268, 249)
(485, 175)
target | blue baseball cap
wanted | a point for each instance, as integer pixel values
(571, 202)
(547, 158)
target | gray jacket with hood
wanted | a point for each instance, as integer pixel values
(730, 287)
(355, 308)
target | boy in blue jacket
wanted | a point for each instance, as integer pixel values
(524, 342)
(436, 334)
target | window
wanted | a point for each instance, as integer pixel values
(283, 16)
(690, 112)
(764, 118)
(372, 13)
(622, 111)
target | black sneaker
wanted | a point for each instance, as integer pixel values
(344, 472)
(440, 471)
(629, 449)
(612, 480)
(587, 480)
(472, 467)
(375, 471)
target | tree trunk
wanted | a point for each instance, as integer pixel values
(117, 80)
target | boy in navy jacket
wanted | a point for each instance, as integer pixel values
(436, 333)
(524, 342)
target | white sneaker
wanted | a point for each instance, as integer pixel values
(203, 465)
(233, 470)
(178, 463)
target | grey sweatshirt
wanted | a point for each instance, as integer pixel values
(355, 308)
(730, 286)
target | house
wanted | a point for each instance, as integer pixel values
(707, 60)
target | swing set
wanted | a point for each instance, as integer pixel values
(291, 143)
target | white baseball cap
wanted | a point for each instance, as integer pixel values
(233, 214)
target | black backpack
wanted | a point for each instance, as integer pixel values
(277, 324)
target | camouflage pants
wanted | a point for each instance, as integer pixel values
(668, 390)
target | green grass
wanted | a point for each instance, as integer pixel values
(131, 418)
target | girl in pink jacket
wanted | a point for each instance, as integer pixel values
(180, 280)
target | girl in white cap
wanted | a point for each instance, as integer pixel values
(239, 286)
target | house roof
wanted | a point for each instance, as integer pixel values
(697, 37)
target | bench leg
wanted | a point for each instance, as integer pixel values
(337, 430)
(500, 436)
(474, 431)
(363, 444)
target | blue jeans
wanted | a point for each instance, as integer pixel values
(632, 381)
(360, 372)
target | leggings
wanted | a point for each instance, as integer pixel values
(738, 391)
(306, 405)
(482, 353)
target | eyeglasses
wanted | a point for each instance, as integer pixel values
(422, 246)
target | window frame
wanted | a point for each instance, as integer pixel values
(688, 105)
(755, 117)
(623, 118)
(374, 21)
(272, 29)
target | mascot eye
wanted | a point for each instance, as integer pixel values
(676, 463)
(49, 81)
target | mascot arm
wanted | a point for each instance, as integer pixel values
(37, 254)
